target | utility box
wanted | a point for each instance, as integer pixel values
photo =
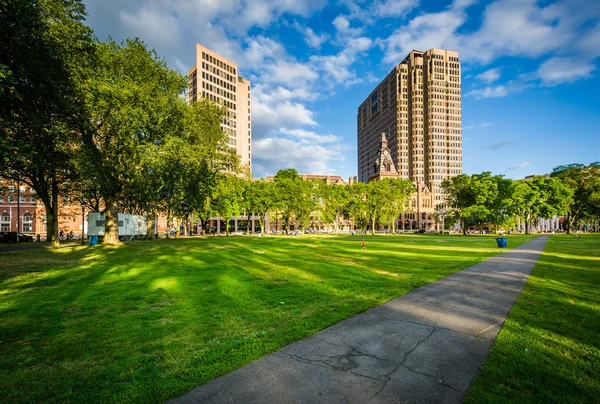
(130, 226)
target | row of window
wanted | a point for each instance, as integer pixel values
(219, 63)
(219, 82)
(218, 100)
(13, 198)
(220, 73)
(26, 222)
(220, 91)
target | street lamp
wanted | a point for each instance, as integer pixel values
(82, 223)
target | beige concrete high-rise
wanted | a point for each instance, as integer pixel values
(216, 78)
(418, 107)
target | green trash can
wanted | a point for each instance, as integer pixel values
(93, 240)
(501, 241)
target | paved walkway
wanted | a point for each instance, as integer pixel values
(425, 346)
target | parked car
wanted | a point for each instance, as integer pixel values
(11, 237)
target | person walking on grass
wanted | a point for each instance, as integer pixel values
(363, 244)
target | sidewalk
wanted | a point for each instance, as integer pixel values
(424, 346)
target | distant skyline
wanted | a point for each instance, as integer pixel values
(530, 76)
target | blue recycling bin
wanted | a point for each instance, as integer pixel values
(501, 241)
(93, 240)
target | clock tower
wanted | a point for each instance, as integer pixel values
(384, 166)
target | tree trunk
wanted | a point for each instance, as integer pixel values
(373, 225)
(150, 227)
(568, 223)
(261, 221)
(177, 226)
(111, 226)
(54, 210)
(526, 226)
(227, 228)
(464, 228)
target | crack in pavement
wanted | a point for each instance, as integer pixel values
(416, 346)
(435, 378)
(429, 325)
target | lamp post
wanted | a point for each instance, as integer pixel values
(18, 207)
(82, 223)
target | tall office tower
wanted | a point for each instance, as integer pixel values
(217, 79)
(418, 107)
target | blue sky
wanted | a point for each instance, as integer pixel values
(531, 85)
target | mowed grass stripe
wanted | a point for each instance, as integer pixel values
(549, 348)
(148, 321)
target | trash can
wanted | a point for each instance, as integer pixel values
(93, 240)
(501, 241)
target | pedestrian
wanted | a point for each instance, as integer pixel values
(62, 234)
(363, 244)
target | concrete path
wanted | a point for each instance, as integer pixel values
(425, 346)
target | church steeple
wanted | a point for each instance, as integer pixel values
(384, 163)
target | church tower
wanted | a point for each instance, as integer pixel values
(384, 165)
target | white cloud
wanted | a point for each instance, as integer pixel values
(260, 49)
(489, 76)
(310, 37)
(341, 23)
(306, 136)
(289, 72)
(509, 28)
(490, 92)
(336, 68)
(476, 125)
(513, 86)
(499, 145)
(152, 25)
(426, 31)
(559, 70)
(266, 117)
(393, 8)
(520, 165)
(590, 42)
(272, 154)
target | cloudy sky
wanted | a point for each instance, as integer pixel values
(531, 85)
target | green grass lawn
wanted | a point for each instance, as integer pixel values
(549, 348)
(148, 321)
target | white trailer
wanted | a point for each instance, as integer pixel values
(130, 226)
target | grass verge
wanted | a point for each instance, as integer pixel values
(148, 321)
(549, 347)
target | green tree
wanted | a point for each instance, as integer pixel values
(376, 199)
(134, 100)
(397, 194)
(227, 199)
(540, 197)
(459, 197)
(45, 55)
(334, 201)
(259, 198)
(307, 203)
(357, 206)
(584, 183)
(288, 193)
(501, 206)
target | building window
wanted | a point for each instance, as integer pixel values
(374, 103)
(5, 222)
(27, 221)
